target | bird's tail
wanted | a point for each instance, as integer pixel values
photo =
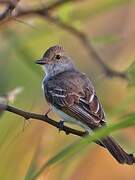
(117, 152)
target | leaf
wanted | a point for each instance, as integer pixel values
(3, 103)
(79, 145)
(20, 48)
(11, 95)
(106, 39)
(131, 74)
(32, 167)
(64, 12)
(8, 97)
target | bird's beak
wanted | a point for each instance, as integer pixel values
(42, 61)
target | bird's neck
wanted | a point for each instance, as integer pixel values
(52, 71)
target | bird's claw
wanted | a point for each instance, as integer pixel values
(48, 111)
(60, 125)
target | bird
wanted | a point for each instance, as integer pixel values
(71, 94)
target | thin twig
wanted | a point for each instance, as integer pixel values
(4, 1)
(45, 12)
(44, 118)
(87, 44)
(10, 6)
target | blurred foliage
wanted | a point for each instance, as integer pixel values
(97, 7)
(131, 74)
(80, 145)
(29, 148)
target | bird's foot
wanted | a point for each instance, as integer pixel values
(48, 111)
(60, 125)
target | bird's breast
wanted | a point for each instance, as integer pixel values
(70, 119)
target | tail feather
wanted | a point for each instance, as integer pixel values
(117, 152)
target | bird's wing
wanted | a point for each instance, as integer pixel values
(79, 102)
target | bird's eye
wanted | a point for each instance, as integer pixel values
(58, 56)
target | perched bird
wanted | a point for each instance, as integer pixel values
(72, 95)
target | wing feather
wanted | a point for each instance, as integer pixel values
(90, 112)
(73, 93)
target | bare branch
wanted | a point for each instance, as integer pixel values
(42, 11)
(44, 118)
(58, 3)
(29, 115)
(4, 1)
(10, 6)
(87, 44)
(45, 12)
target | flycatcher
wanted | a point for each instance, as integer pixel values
(72, 95)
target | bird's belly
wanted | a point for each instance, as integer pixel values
(70, 119)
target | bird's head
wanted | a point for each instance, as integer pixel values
(55, 60)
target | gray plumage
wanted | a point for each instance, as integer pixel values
(74, 98)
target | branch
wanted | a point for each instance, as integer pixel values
(87, 44)
(42, 11)
(10, 6)
(45, 12)
(44, 118)
(4, 1)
